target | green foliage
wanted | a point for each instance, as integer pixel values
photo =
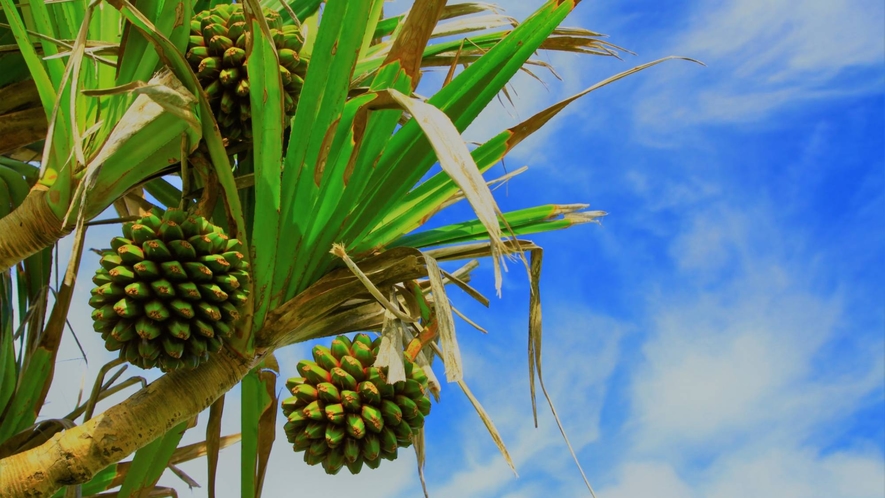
(150, 462)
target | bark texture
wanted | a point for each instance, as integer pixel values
(21, 128)
(22, 118)
(28, 229)
(75, 455)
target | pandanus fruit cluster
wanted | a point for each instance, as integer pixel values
(344, 412)
(169, 290)
(217, 53)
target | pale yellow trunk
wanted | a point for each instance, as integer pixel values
(75, 455)
(28, 229)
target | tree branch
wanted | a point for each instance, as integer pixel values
(28, 229)
(76, 455)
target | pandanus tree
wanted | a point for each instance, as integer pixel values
(271, 167)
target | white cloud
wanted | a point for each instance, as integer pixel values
(765, 55)
(717, 368)
(778, 39)
(778, 472)
(580, 352)
(739, 391)
(641, 479)
(733, 348)
(799, 474)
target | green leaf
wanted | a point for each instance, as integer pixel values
(259, 425)
(322, 100)
(522, 222)
(409, 156)
(370, 133)
(100, 482)
(150, 462)
(455, 159)
(258, 418)
(267, 132)
(380, 125)
(29, 172)
(43, 24)
(302, 8)
(24, 408)
(8, 366)
(18, 187)
(12, 65)
(369, 34)
(148, 144)
(45, 87)
(139, 61)
(333, 183)
(420, 203)
(163, 191)
(250, 408)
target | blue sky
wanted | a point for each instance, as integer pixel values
(723, 332)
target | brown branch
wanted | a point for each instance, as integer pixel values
(19, 96)
(33, 436)
(22, 117)
(21, 128)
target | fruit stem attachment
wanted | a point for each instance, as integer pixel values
(338, 250)
(427, 336)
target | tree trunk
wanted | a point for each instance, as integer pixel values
(28, 229)
(76, 455)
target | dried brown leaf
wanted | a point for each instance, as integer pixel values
(445, 322)
(390, 353)
(213, 441)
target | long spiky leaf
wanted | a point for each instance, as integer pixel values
(322, 99)
(263, 65)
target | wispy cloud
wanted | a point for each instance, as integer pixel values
(740, 389)
(648, 479)
(580, 353)
(798, 473)
(764, 56)
(739, 364)
(777, 472)
(733, 352)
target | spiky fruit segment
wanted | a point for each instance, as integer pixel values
(162, 300)
(217, 53)
(343, 412)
